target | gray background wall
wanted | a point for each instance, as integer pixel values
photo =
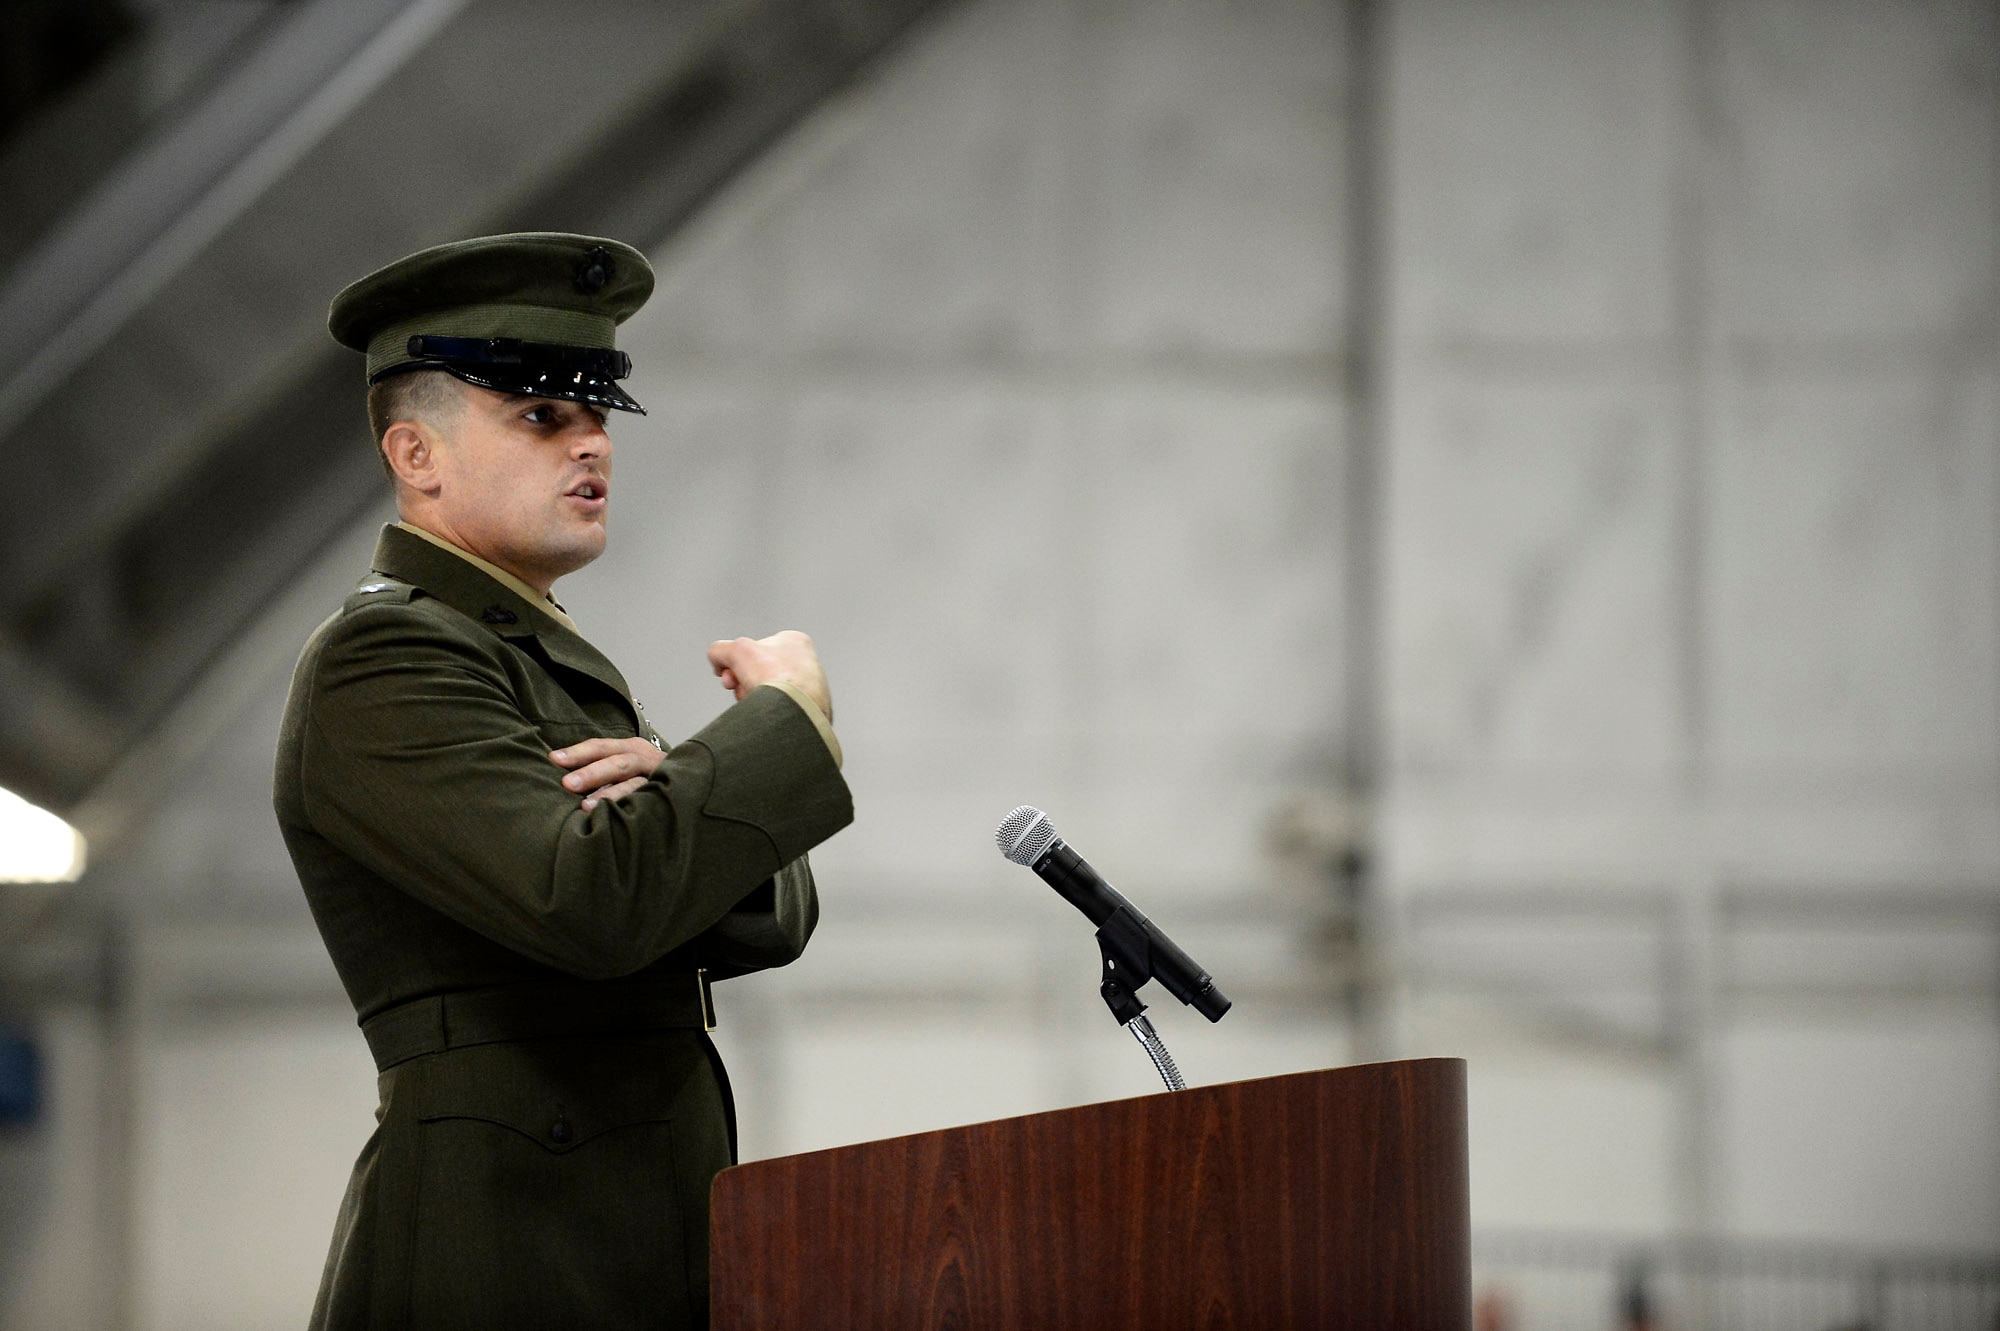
(1020, 376)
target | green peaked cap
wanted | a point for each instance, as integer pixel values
(540, 287)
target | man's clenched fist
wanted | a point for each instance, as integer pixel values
(783, 658)
(611, 769)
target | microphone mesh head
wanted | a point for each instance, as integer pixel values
(1025, 835)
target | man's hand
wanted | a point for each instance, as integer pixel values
(607, 769)
(788, 658)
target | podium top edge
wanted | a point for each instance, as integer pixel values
(1429, 1068)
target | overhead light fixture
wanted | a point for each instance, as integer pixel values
(35, 845)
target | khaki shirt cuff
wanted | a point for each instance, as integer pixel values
(812, 711)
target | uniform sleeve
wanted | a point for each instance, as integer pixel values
(820, 721)
(768, 928)
(425, 769)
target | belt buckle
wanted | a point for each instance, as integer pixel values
(707, 999)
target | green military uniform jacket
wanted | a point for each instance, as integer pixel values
(552, 1112)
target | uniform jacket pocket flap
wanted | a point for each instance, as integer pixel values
(561, 734)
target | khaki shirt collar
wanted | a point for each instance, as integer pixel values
(546, 604)
(447, 574)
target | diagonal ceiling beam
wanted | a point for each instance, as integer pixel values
(212, 436)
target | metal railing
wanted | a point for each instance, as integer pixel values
(1545, 1282)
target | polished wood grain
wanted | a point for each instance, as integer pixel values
(1324, 1199)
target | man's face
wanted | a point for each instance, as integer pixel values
(526, 482)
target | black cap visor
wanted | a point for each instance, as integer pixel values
(532, 369)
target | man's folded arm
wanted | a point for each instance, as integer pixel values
(426, 771)
(768, 928)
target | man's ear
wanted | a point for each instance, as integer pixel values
(411, 450)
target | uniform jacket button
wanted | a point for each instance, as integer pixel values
(559, 1131)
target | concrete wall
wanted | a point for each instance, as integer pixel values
(1691, 568)
(1014, 380)
(1017, 378)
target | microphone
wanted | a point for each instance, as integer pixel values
(1027, 837)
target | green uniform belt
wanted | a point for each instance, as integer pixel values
(537, 1012)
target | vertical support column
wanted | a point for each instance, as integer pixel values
(1993, 315)
(117, 1124)
(1364, 342)
(1695, 931)
(1694, 953)
(1066, 51)
(1692, 326)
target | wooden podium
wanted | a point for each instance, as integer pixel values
(1321, 1199)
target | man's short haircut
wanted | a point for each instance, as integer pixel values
(426, 395)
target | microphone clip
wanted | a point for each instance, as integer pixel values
(1128, 963)
(1127, 950)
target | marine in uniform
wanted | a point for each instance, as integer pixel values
(524, 890)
